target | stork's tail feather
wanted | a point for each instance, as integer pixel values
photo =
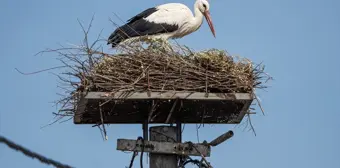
(122, 33)
(114, 39)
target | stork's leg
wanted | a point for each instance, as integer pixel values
(160, 43)
(152, 41)
(165, 44)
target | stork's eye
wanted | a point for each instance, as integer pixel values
(205, 6)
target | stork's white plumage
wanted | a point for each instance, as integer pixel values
(171, 20)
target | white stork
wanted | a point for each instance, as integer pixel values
(171, 20)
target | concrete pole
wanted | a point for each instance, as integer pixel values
(163, 134)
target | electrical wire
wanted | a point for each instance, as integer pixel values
(31, 154)
(135, 153)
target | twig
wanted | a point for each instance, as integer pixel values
(259, 103)
(251, 125)
(171, 111)
(31, 73)
(102, 120)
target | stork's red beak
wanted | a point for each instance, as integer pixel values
(208, 18)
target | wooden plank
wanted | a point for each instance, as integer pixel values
(169, 95)
(216, 108)
(187, 111)
(162, 147)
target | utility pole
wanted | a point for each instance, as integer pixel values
(163, 134)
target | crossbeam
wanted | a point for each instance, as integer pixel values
(164, 147)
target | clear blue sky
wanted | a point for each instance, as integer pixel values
(298, 40)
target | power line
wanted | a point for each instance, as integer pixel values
(31, 154)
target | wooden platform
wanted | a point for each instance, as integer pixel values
(158, 108)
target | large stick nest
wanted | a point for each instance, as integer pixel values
(152, 66)
(166, 67)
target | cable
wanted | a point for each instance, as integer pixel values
(141, 155)
(196, 162)
(31, 154)
(133, 158)
(135, 153)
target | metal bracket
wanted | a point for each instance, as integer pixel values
(164, 147)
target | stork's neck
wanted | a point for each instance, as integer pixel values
(198, 16)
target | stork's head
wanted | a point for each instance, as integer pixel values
(203, 6)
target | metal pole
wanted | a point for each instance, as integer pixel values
(179, 131)
(145, 130)
(163, 134)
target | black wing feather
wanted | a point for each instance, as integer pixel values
(143, 14)
(138, 26)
